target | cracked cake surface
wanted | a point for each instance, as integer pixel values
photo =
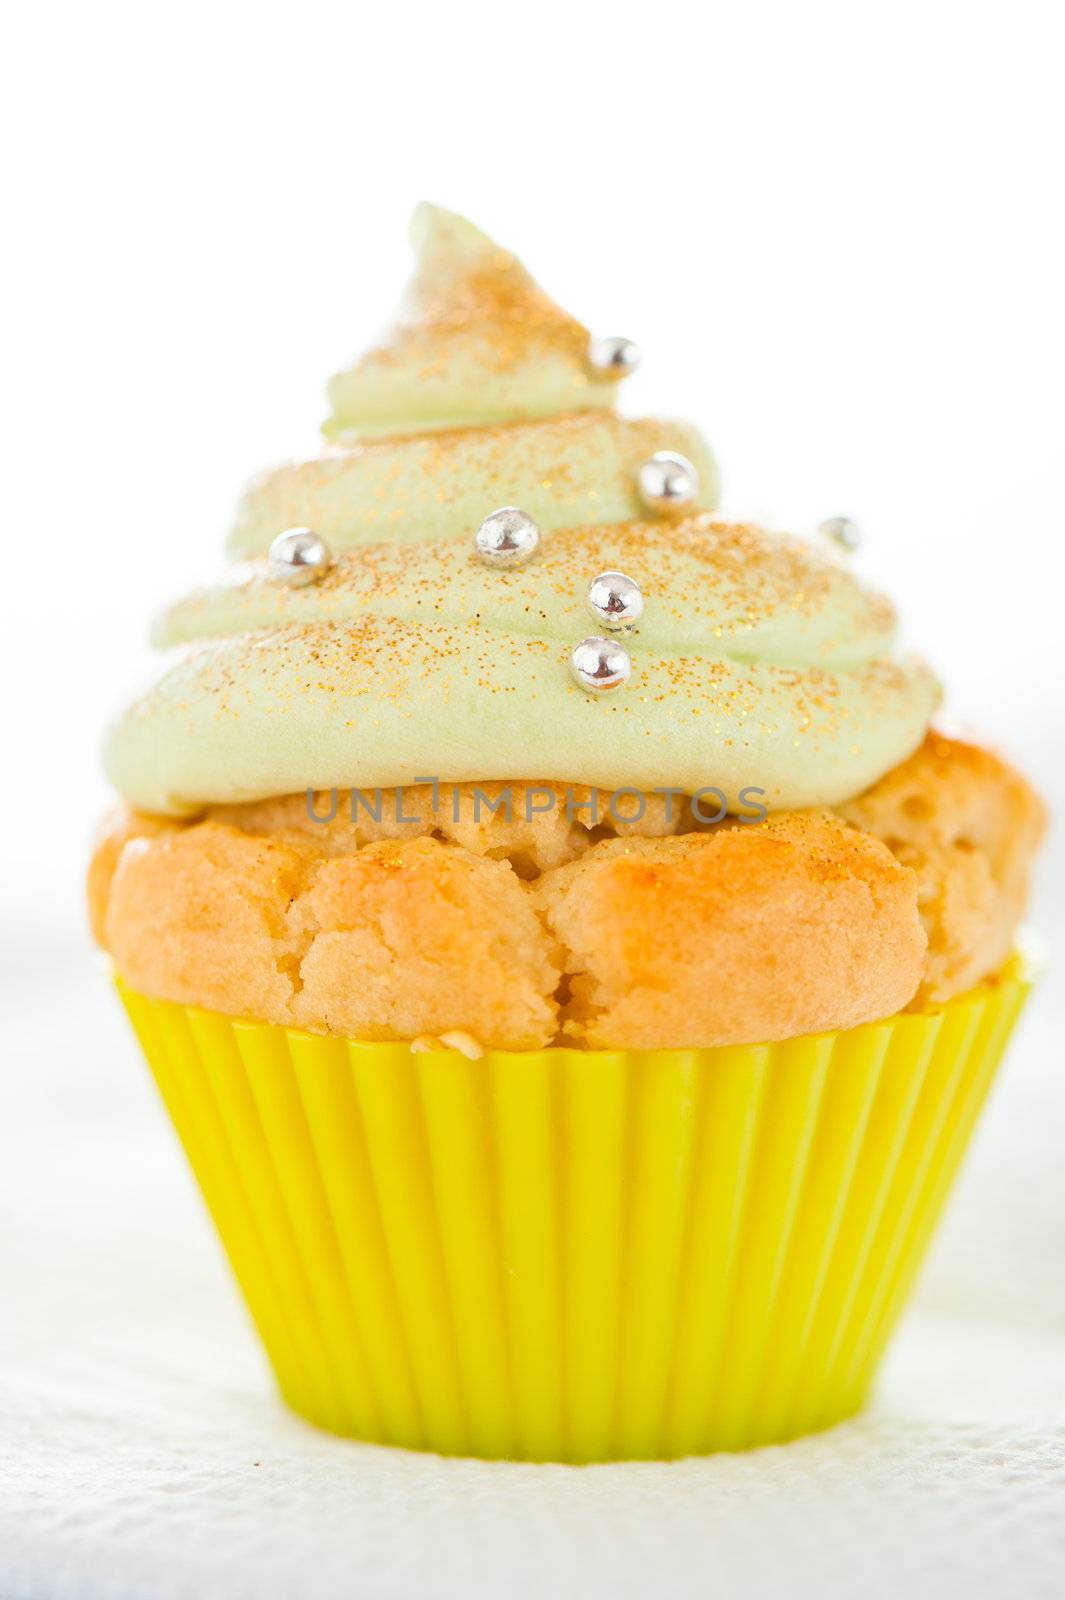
(443, 914)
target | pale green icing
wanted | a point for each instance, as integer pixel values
(709, 588)
(757, 663)
(387, 702)
(562, 471)
(474, 341)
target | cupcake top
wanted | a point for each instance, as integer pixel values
(757, 662)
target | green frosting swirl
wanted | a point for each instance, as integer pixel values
(564, 471)
(474, 341)
(758, 662)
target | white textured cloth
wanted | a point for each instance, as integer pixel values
(144, 1456)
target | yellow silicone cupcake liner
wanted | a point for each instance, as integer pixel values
(566, 1255)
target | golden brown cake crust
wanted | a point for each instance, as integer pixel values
(388, 942)
(741, 934)
(521, 926)
(969, 826)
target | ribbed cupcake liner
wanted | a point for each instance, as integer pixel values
(566, 1255)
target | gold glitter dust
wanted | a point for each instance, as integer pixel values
(489, 304)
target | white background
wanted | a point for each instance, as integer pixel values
(836, 232)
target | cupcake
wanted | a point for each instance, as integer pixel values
(570, 956)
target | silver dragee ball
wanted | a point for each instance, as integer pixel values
(843, 531)
(600, 664)
(667, 482)
(507, 538)
(299, 557)
(615, 601)
(614, 356)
